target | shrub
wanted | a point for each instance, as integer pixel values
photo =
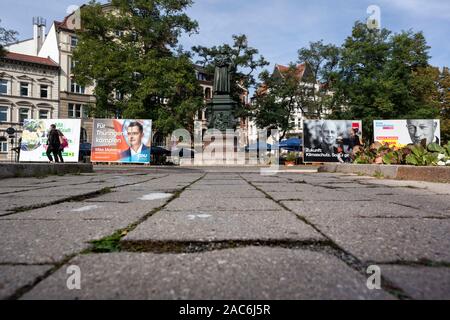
(418, 155)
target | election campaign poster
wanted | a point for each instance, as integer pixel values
(33, 145)
(330, 140)
(122, 141)
(399, 133)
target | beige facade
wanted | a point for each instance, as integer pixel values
(74, 99)
(29, 89)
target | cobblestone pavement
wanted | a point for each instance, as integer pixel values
(222, 233)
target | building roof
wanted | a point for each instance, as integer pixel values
(300, 70)
(30, 59)
(281, 70)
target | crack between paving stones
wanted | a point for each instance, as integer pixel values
(14, 264)
(191, 247)
(412, 207)
(404, 217)
(416, 264)
(27, 288)
(350, 260)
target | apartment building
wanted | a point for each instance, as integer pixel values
(29, 89)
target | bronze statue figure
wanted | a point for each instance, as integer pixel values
(222, 75)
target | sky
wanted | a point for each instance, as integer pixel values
(277, 28)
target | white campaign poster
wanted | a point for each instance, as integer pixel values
(33, 146)
(400, 133)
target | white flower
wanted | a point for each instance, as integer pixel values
(441, 163)
(441, 156)
(448, 162)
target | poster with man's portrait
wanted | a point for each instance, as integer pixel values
(122, 141)
(400, 133)
(330, 140)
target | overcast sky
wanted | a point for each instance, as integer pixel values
(278, 28)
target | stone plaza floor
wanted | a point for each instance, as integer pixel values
(222, 233)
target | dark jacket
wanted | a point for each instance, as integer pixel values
(126, 155)
(53, 139)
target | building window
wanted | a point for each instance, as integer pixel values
(73, 41)
(77, 111)
(23, 115)
(3, 86)
(24, 89)
(44, 91)
(43, 114)
(75, 88)
(4, 113)
(293, 123)
(73, 63)
(208, 93)
(3, 147)
(201, 77)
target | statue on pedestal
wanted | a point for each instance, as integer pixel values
(220, 111)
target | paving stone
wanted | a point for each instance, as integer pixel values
(287, 195)
(435, 203)
(221, 182)
(217, 226)
(223, 204)
(340, 185)
(66, 192)
(11, 203)
(311, 209)
(200, 195)
(203, 187)
(41, 241)
(13, 278)
(122, 196)
(127, 212)
(422, 283)
(325, 195)
(289, 187)
(382, 240)
(242, 274)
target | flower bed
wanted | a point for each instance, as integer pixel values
(416, 155)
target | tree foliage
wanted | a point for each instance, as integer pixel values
(128, 50)
(375, 74)
(276, 100)
(245, 62)
(384, 76)
(444, 100)
(6, 36)
(321, 61)
(295, 90)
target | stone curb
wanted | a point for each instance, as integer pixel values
(399, 172)
(20, 170)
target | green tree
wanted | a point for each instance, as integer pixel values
(128, 50)
(6, 36)
(383, 75)
(276, 100)
(313, 94)
(444, 99)
(301, 88)
(245, 62)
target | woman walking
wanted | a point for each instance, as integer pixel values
(53, 144)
